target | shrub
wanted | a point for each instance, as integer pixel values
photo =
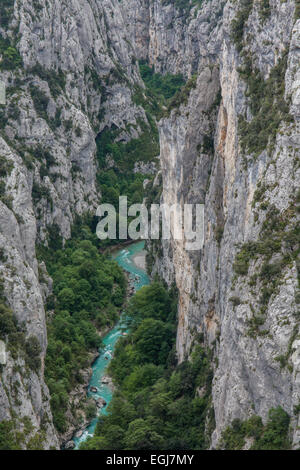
(7, 436)
(5, 166)
(56, 79)
(33, 351)
(78, 132)
(164, 86)
(39, 192)
(11, 58)
(239, 23)
(6, 11)
(267, 105)
(7, 321)
(272, 436)
(91, 411)
(264, 9)
(242, 259)
(40, 101)
(182, 96)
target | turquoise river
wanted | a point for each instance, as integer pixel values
(125, 258)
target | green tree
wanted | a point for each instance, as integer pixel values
(66, 298)
(149, 338)
(142, 436)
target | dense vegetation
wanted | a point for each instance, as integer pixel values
(272, 436)
(156, 405)
(163, 86)
(116, 161)
(89, 290)
(163, 92)
(11, 58)
(125, 154)
(6, 10)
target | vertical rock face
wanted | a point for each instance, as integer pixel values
(77, 78)
(252, 326)
(72, 75)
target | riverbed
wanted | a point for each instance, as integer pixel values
(132, 260)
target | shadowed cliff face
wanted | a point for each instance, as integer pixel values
(77, 76)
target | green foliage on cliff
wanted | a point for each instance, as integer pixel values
(156, 404)
(6, 11)
(33, 350)
(7, 436)
(6, 166)
(267, 105)
(12, 438)
(143, 148)
(40, 101)
(264, 9)
(88, 292)
(9, 330)
(279, 236)
(116, 160)
(184, 6)
(11, 58)
(182, 95)
(266, 101)
(239, 23)
(14, 335)
(163, 86)
(271, 436)
(297, 9)
(55, 79)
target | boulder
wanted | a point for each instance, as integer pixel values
(100, 402)
(105, 379)
(70, 445)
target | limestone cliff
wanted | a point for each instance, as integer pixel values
(70, 75)
(234, 145)
(231, 141)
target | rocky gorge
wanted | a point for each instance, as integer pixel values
(229, 139)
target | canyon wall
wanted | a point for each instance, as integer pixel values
(72, 77)
(249, 317)
(230, 142)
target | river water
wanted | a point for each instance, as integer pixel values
(125, 259)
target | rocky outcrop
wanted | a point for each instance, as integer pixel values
(71, 76)
(77, 78)
(257, 369)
